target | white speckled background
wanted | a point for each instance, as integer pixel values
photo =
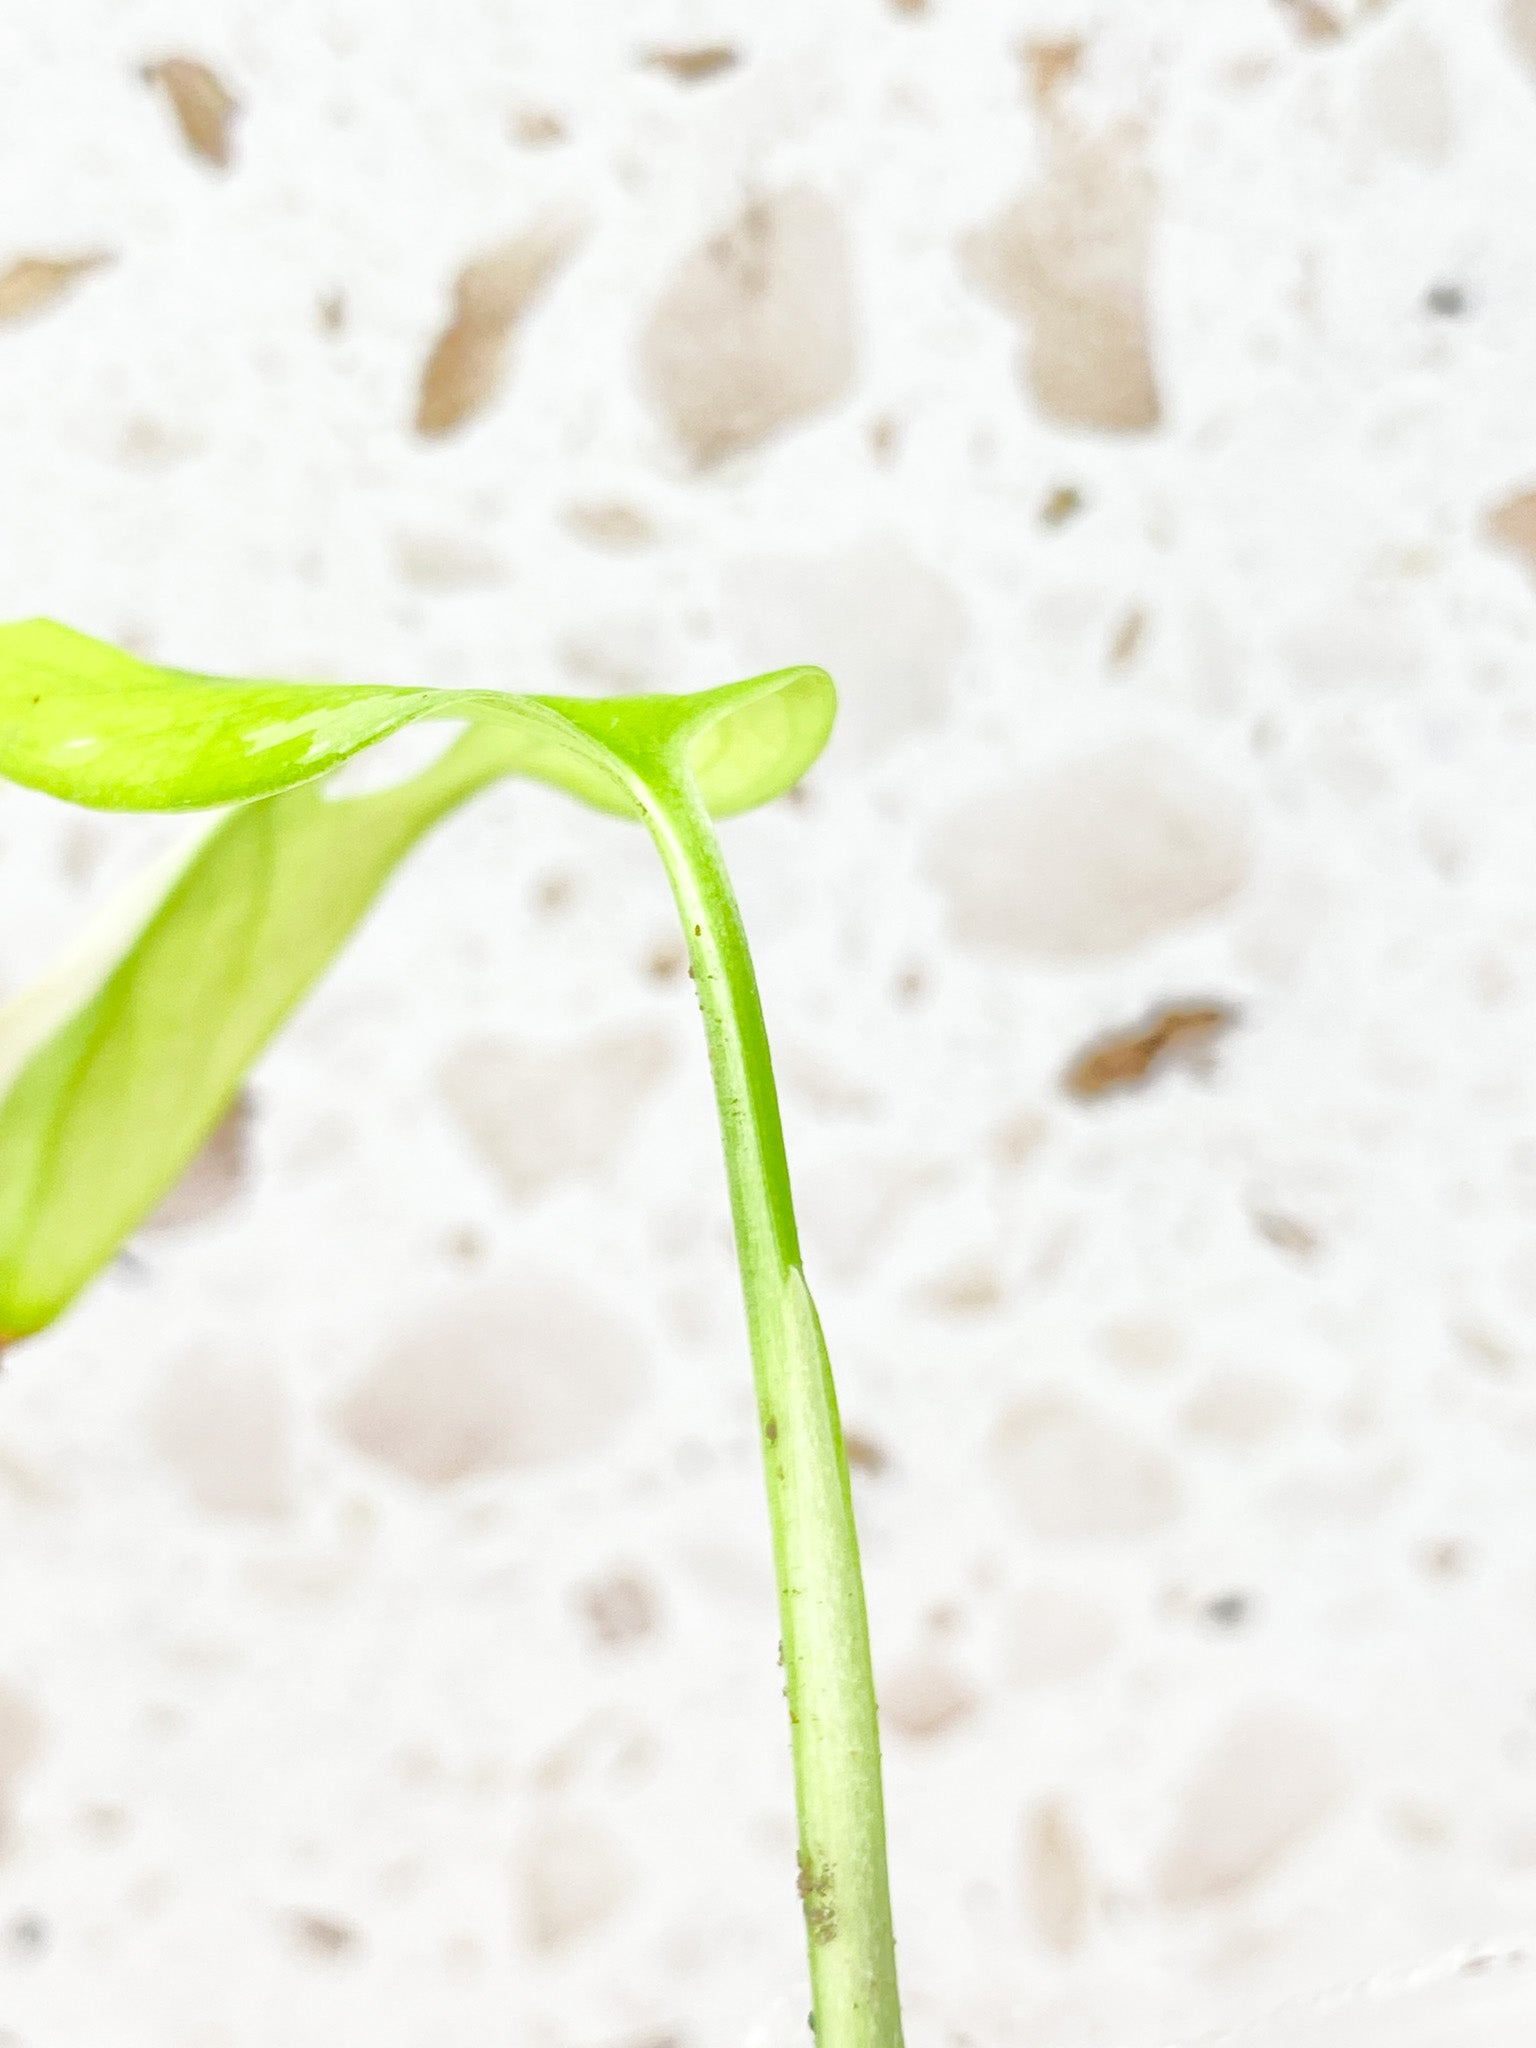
(386, 1628)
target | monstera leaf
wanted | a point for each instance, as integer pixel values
(114, 1071)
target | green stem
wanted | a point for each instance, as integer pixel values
(830, 1685)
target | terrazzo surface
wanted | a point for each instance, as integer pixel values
(1132, 407)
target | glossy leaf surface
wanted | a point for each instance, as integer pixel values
(114, 1071)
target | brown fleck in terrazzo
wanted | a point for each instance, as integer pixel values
(1313, 22)
(609, 523)
(694, 66)
(925, 1697)
(464, 371)
(572, 1879)
(34, 282)
(1520, 26)
(1049, 67)
(1125, 641)
(969, 1288)
(1124, 1059)
(1511, 525)
(537, 128)
(524, 1371)
(1068, 260)
(21, 1742)
(864, 1454)
(620, 1609)
(1056, 1881)
(755, 331)
(1267, 1782)
(204, 106)
(1060, 505)
(323, 1936)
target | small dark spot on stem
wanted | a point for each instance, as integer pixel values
(815, 1888)
(771, 1430)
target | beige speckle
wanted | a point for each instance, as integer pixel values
(221, 1422)
(755, 332)
(204, 106)
(925, 1697)
(968, 1288)
(1406, 99)
(443, 562)
(1056, 1881)
(21, 1742)
(1093, 858)
(33, 282)
(1520, 24)
(538, 127)
(537, 1114)
(1018, 1138)
(609, 523)
(1049, 67)
(1126, 640)
(464, 371)
(524, 1372)
(153, 443)
(1268, 1782)
(1512, 525)
(1142, 1344)
(891, 630)
(1312, 21)
(1286, 1233)
(621, 1609)
(218, 1174)
(1060, 504)
(323, 1936)
(1072, 1475)
(1069, 261)
(693, 66)
(1051, 1637)
(573, 1878)
(1238, 1409)
(865, 1453)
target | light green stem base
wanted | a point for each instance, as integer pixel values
(830, 1686)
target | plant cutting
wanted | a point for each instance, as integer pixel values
(115, 1070)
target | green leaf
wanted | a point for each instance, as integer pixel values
(114, 1071)
(83, 721)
